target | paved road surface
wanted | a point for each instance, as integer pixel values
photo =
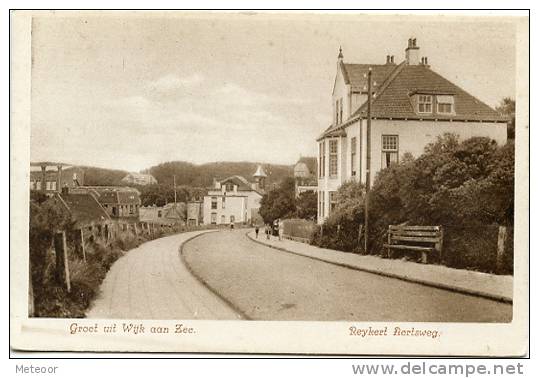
(268, 284)
(151, 282)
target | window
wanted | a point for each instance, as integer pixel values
(223, 219)
(444, 104)
(53, 185)
(338, 111)
(390, 150)
(38, 185)
(353, 153)
(229, 187)
(424, 104)
(322, 204)
(322, 159)
(232, 219)
(332, 201)
(213, 219)
(333, 158)
(214, 203)
(159, 213)
(223, 203)
(130, 209)
(32, 185)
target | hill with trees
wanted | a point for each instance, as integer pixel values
(202, 175)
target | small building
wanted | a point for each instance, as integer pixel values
(169, 214)
(234, 199)
(50, 178)
(411, 106)
(84, 207)
(305, 175)
(120, 202)
(142, 179)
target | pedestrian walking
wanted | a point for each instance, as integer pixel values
(268, 231)
(256, 231)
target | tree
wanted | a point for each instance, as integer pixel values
(507, 108)
(306, 205)
(279, 202)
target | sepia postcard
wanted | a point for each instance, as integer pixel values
(269, 182)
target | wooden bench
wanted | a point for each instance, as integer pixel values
(424, 239)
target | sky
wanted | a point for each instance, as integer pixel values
(128, 91)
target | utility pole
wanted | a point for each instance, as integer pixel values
(368, 169)
(174, 177)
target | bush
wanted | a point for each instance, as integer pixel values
(467, 187)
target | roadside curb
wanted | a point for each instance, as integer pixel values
(438, 285)
(241, 314)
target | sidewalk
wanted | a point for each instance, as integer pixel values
(486, 285)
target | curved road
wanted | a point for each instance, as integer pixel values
(151, 282)
(268, 284)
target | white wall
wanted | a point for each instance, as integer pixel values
(415, 135)
(341, 90)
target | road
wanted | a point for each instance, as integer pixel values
(267, 284)
(151, 282)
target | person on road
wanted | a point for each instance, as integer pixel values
(256, 231)
(268, 231)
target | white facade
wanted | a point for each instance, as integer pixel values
(226, 204)
(339, 162)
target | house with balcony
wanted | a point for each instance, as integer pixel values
(411, 106)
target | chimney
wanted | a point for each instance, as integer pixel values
(388, 59)
(392, 59)
(340, 56)
(412, 52)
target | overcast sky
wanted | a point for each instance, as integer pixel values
(129, 92)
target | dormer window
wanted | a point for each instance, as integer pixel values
(445, 105)
(424, 104)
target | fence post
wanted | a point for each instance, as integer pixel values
(502, 236)
(82, 245)
(62, 264)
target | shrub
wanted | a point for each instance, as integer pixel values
(467, 187)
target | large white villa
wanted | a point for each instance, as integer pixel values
(411, 106)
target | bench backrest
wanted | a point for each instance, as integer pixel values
(421, 234)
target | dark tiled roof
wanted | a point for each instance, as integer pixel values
(356, 74)
(116, 195)
(84, 207)
(241, 182)
(394, 98)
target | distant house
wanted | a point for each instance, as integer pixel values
(305, 175)
(411, 106)
(84, 208)
(169, 214)
(234, 199)
(50, 178)
(120, 203)
(138, 179)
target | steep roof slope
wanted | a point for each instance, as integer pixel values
(394, 99)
